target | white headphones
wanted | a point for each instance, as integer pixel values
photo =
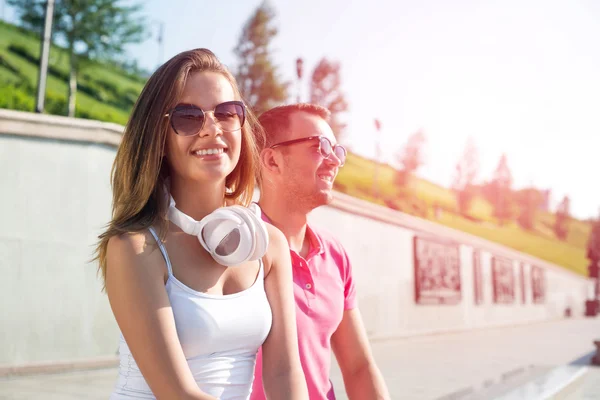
(231, 235)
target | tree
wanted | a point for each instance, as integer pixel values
(132, 67)
(561, 222)
(530, 201)
(464, 181)
(90, 29)
(325, 91)
(410, 157)
(593, 249)
(256, 75)
(498, 191)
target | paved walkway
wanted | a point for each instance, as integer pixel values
(467, 365)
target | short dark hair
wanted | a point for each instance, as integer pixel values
(276, 121)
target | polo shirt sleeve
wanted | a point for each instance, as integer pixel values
(350, 300)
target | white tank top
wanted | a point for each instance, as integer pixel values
(220, 336)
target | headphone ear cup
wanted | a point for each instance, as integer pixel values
(216, 233)
(248, 229)
(218, 230)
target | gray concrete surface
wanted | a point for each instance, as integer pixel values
(467, 365)
(55, 200)
(588, 388)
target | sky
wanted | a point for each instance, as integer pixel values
(519, 77)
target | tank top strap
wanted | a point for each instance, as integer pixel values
(261, 269)
(163, 250)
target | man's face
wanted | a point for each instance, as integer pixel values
(307, 177)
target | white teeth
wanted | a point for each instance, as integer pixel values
(205, 152)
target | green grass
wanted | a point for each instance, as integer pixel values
(9, 76)
(566, 254)
(356, 179)
(97, 76)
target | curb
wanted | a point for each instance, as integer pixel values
(58, 366)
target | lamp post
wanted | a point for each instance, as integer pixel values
(159, 39)
(299, 66)
(44, 52)
(160, 34)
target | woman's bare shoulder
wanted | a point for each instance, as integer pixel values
(129, 252)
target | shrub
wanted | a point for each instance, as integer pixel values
(15, 98)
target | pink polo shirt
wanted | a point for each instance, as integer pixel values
(323, 289)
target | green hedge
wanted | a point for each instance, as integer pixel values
(25, 53)
(15, 98)
(104, 91)
(21, 97)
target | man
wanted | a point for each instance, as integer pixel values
(298, 166)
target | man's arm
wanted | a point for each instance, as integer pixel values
(362, 378)
(283, 377)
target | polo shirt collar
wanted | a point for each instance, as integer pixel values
(316, 245)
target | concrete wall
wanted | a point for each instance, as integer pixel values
(380, 244)
(55, 198)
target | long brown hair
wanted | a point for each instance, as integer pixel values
(138, 172)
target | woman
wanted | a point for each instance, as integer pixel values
(191, 326)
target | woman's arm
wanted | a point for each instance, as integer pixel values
(135, 283)
(282, 372)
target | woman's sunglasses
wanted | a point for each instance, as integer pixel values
(188, 120)
(325, 147)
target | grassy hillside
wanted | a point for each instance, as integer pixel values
(356, 179)
(108, 93)
(105, 92)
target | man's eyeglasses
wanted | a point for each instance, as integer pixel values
(188, 120)
(325, 147)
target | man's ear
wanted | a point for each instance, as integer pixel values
(270, 160)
